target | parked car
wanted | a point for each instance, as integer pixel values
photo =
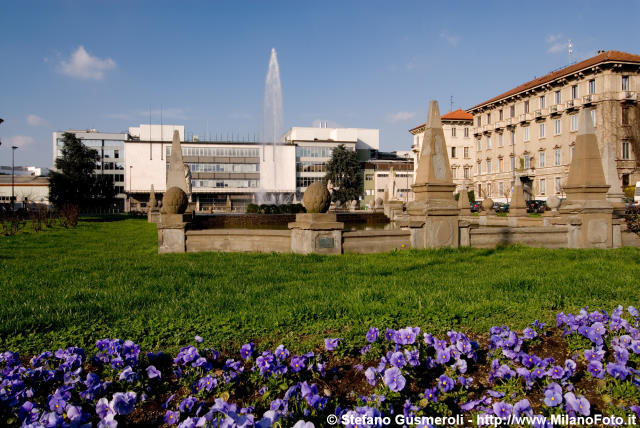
(500, 207)
(475, 206)
(536, 206)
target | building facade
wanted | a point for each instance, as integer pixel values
(111, 152)
(458, 132)
(26, 190)
(377, 176)
(528, 132)
(314, 147)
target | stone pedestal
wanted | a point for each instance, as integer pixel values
(518, 205)
(171, 233)
(153, 216)
(433, 219)
(316, 233)
(393, 209)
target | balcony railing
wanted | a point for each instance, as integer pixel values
(525, 117)
(627, 96)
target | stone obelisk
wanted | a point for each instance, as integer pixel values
(433, 215)
(176, 175)
(587, 210)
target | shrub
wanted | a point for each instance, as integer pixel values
(632, 218)
(252, 209)
(69, 215)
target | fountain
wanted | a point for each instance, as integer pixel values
(272, 126)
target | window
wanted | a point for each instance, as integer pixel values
(489, 189)
(526, 133)
(512, 111)
(453, 131)
(500, 114)
(574, 122)
(467, 172)
(625, 115)
(453, 152)
(489, 142)
(592, 86)
(626, 150)
(501, 189)
(557, 157)
(542, 130)
(453, 172)
(543, 101)
(500, 140)
(527, 162)
(116, 153)
(479, 168)
(593, 116)
(479, 144)
(466, 132)
(558, 97)
(466, 152)
(558, 127)
(574, 92)
(368, 177)
(558, 185)
(571, 152)
(543, 186)
(488, 166)
(526, 106)
(625, 83)
(488, 118)
(542, 160)
(479, 121)
(500, 165)
(513, 163)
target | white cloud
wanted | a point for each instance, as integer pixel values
(400, 116)
(35, 120)
(20, 141)
(452, 39)
(82, 65)
(556, 43)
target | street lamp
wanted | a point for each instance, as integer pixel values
(130, 190)
(13, 151)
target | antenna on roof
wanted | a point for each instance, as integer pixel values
(451, 108)
(570, 49)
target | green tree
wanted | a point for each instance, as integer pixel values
(74, 182)
(343, 170)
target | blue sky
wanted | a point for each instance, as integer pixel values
(367, 64)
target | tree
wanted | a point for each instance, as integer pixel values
(343, 170)
(74, 182)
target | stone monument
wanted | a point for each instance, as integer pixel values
(586, 209)
(392, 206)
(173, 224)
(463, 202)
(227, 206)
(153, 213)
(518, 205)
(487, 207)
(316, 231)
(433, 215)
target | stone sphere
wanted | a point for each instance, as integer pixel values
(175, 201)
(487, 204)
(316, 198)
(554, 202)
(379, 202)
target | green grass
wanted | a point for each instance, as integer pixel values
(71, 287)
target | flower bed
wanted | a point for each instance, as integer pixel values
(583, 370)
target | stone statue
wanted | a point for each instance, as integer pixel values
(187, 179)
(316, 198)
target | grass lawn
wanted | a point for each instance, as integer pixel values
(105, 279)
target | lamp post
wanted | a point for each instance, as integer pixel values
(13, 151)
(130, 190)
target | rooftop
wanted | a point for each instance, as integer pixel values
(601, 58)
(451, 116)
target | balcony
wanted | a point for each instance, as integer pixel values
(487, 129)
(498, 125)
(525, 117)
(509, 122)
(537, 114)
(555, 110)
(628, 96)
(587, 100)
(572, 104)
(477, 131)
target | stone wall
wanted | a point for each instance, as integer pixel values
(541, 236)
(375, 241)
(239, 240)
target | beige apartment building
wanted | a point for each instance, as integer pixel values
(528, 132)
(458, 132)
